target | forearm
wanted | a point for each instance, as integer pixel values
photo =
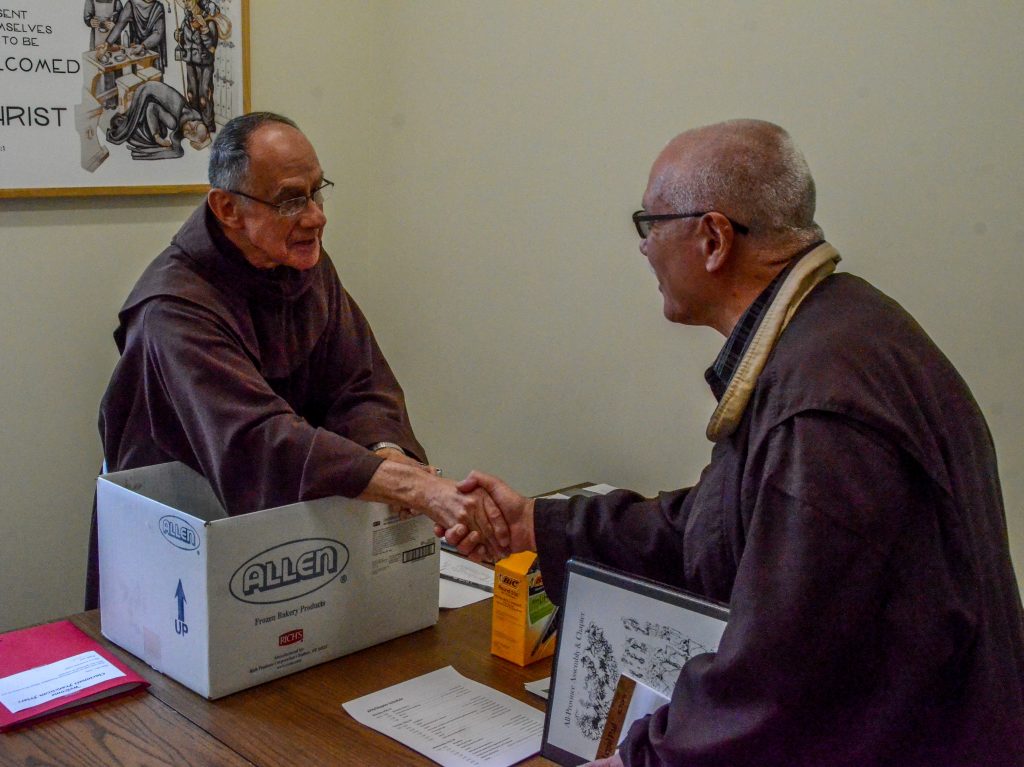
(402, 484)
(467, 520)
(624, 530)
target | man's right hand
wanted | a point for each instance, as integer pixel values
(480, 531)
(470, 520)
(516, 509)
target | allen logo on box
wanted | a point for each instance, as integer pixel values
(289, 571)
(179, 533)
(223, 603)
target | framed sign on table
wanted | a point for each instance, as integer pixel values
(117, 96)
(617, 625)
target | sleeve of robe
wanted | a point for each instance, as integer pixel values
(364, 401)
(830, 498)
(204, 391)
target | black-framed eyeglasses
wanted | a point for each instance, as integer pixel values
(293, 205)
(644, 221)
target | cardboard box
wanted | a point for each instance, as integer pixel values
(223, 603)
(523, 619)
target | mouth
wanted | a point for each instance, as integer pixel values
(312, 244)
(304, 254)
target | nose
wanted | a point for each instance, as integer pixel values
(313, 216)
(643, 246)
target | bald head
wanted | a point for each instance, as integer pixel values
(750, 170)
(229, 155)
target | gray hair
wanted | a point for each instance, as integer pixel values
(229, 158)
(751, 171)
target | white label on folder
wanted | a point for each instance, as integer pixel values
(55, 680)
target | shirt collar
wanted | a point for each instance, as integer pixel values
(724, 367)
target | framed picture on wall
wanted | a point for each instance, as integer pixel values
(117, 96)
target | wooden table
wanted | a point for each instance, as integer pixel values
(294, 720)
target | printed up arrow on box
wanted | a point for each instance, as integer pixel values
(179, 594)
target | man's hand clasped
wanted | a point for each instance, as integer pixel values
(467, 517)
(477, 526)
(515, 511)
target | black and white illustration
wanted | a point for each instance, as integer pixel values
(616, 625)
(135, 95)
(135, 90)
(654, 653)
(600, 672)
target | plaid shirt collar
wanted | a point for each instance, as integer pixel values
(724, 367)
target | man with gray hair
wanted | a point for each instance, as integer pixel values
(243, 357)
(851, 515)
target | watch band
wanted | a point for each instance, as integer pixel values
(381, 445)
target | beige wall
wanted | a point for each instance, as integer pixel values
(488, 155)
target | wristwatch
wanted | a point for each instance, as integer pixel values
(381, 445)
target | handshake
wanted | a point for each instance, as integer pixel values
(481, 516)
(495, 520)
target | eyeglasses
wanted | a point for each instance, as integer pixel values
(645, 221)
(294, 205)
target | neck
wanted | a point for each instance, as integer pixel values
(739, 301)
(748, 283)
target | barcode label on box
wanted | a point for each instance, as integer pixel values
(418, 553)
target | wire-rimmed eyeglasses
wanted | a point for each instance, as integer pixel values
(293, 205)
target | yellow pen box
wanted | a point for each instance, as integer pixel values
(523, 620)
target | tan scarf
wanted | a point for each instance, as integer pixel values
(805, 274)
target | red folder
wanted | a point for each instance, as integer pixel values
(41, 645)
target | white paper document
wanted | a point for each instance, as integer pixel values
(55, 680)
(540, 688)
(452, 594)
(463, 582)
(453, 720)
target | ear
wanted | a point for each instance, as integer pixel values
(718, 236)
(226, 207)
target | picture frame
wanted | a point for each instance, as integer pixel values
(112, 97)
(615, 624)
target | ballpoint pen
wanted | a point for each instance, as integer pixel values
(549, 629)
(467, 582)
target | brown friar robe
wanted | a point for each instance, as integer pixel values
(854, 523)
(267, 382)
